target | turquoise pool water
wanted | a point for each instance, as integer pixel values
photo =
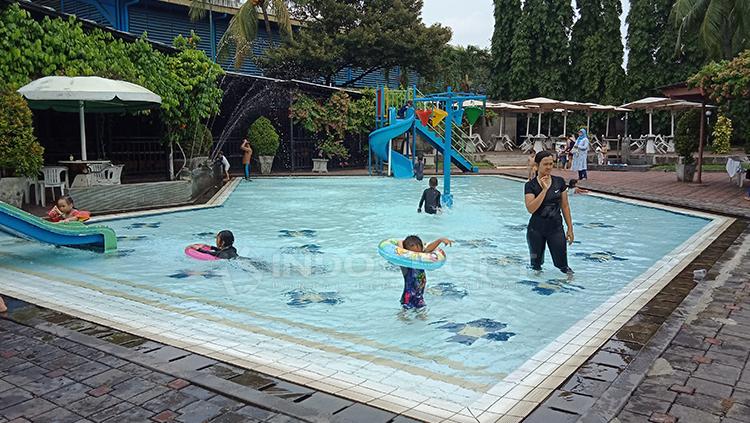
(313, 271)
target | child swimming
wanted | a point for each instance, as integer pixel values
(224, 246)
(430, 198)
(65, 211)
(415, 280)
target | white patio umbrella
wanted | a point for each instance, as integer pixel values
(87, 93)
(679, 105)
(649, 104)
(542, 104)
(609, 110)
(568, 106)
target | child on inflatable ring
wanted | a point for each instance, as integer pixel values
(415, 280)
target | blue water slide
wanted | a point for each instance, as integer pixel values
(402, 166)
(72, 234)
(436, 141)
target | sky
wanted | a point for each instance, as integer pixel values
(473, 25)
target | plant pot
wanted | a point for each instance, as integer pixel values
(320, 165)
(265, 164)
(685, 173)
(12, 190)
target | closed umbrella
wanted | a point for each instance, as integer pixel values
(87, 93)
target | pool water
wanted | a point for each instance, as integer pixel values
(313, 273)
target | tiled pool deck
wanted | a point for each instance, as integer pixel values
(357, 376)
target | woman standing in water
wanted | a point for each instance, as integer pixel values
(547, 201)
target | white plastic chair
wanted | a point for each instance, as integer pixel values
(33, 181)
(111, 175)
(528, 144)
(53, 179)
(478, 142)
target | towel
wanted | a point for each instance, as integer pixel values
(733, 167)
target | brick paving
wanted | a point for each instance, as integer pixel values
(44, 378)
(703, 375)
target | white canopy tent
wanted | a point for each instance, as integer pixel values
(609, 110)
(649, 104)
(87, 93)
(541, 105)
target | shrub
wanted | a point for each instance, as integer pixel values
(20, 153)
(263, 137)
(722, 135)
(686, 136)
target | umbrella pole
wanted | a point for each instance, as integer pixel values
(606, 132)
(588, 122)
(549, 126)
(565, 123)
(539, 124)
(650, 123)
(82, 122)
(528, 122)
(672, 115)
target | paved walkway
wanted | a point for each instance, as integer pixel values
(45, 378)
(703, 375)
(716, 194)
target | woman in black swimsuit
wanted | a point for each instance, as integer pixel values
(546, 198)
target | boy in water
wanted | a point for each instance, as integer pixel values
(531, 165)
(224, 246)
(430, 198)
(415, 280)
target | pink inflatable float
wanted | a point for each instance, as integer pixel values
(192, 251)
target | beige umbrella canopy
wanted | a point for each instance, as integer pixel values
(649, 104)
(87, 93)
(542, 104)
(609, 110)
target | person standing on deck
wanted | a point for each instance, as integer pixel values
(580, 156)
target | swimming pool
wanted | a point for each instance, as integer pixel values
(314, 303)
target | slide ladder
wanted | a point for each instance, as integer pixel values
(460, 143)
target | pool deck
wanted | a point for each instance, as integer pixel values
(700, 350)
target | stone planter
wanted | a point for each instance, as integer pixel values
(12, 190)
(266, 162)
(685, 173)
(320, 165)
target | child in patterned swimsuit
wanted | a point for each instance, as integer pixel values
(415, 280)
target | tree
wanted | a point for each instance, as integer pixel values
(462, 68)
(615, 80)
(647, 21)
(243, 27)
(365, 35)
(522, 74)
(722, 26)
(554, 58)
(507, 15)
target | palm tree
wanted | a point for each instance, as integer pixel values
(723, 26)
(243, 27)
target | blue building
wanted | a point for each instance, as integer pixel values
(163, 20)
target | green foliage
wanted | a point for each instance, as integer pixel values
(722, 135)
(373, 36)
(541, 54)
(464, 69)
(263, 137)
(20, 153)
(197, 141)
(687, 136)
(647, 22)
(185, 80)
(722, 26)
(507, 14)
(333, 119)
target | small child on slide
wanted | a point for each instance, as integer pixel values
(65, 211)
(415, 280)
(430, 198)
(224, 248)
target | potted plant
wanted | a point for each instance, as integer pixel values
(265, 142)
(329, 149)
(21, 156)
(686, 144)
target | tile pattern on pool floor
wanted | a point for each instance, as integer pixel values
(357, 376)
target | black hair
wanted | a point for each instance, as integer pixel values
(420, 156)
(413, 241)
(541, 155)
(68, 199)
(433, 182)
(227, 238)
(572, 183)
